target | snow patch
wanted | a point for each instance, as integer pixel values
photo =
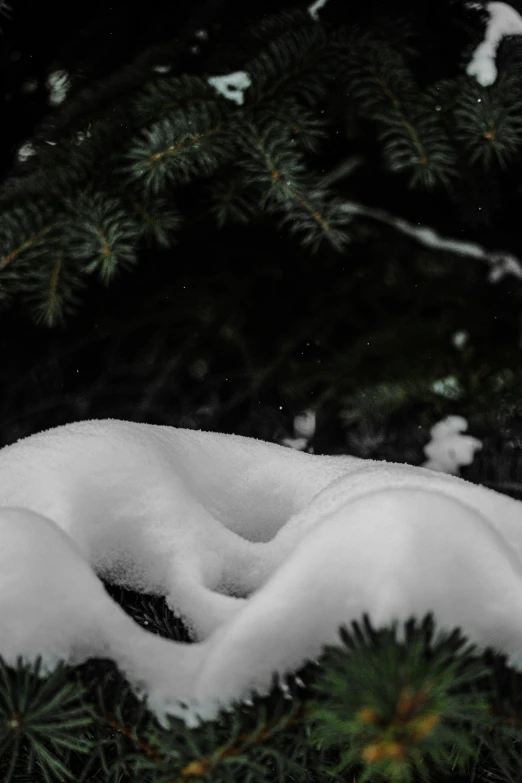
(232, 85)
(448, 448)
(503, 21)
(313, 541)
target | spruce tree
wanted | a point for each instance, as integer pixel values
(314, 205)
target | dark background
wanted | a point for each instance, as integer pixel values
(124, 353)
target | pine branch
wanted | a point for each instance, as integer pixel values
(149, 137)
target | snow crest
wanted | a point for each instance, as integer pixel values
(312, 542)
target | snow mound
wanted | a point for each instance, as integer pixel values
(313, 542)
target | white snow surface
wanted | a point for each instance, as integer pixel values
(232, 86)
(504, 21)
(448, 449)
(311, 541)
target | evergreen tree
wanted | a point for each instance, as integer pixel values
(308, 200)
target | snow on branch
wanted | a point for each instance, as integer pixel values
(232, 85)
(315, 7)
(500, 263)
(448, 448)
(504, 21)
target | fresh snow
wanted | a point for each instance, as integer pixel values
(312, 542)
(232, 85)
(504, 21)
(448, 449)
(501, 263)
(315, 7)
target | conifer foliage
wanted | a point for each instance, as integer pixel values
(381, 142)
(109, 169)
